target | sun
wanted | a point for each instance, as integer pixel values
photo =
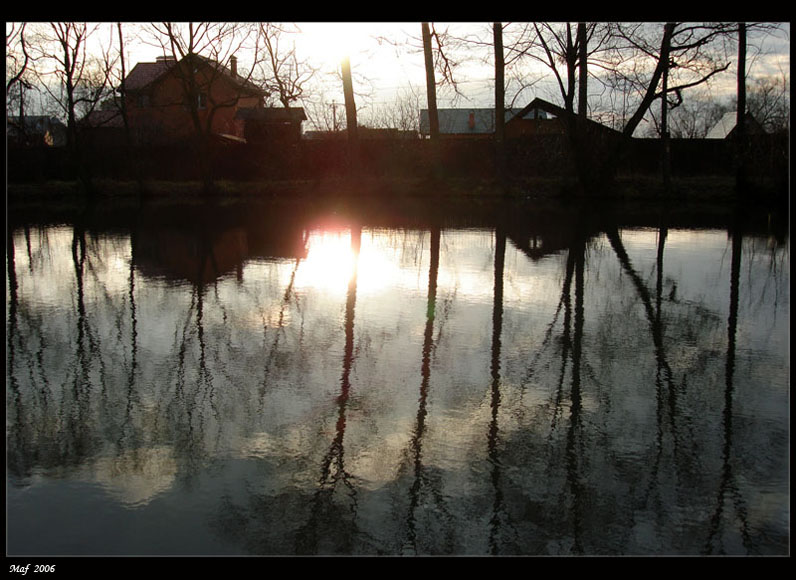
(328, 43)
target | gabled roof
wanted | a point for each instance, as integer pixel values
(554, 110)
(464, 121)
(144, 74)
(726, 125)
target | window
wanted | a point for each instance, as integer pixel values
(201, 101)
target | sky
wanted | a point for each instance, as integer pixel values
(387, 62)
(387, 65)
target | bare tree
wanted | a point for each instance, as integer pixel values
(693, 118)
(500, 100)
(641, 61)
(208, 51)
(768, 101)
(75, 80)
(437, 58)
(351, 116)
(203, 50)
(17, 66)
(431, 86)
(400, 113)
(281, 72)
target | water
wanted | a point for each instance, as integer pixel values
(264, 380)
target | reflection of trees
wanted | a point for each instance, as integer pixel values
(127, 424)
(16, 435)
(499, 516)
(728, 484)
(272, 351)
(78, 419)
(577, 450)
(324, 510)
(574, 444)
(424, 479)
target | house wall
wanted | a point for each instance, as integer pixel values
(167, 118)
(527, 127)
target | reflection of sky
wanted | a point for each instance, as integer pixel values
(255, 371)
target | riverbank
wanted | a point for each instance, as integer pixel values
(694, 189)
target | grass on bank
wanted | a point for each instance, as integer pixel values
(718, 189)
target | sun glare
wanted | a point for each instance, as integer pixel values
(329, 264)
(329, 43)
(332, 262)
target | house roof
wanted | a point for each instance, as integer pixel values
(725, 126)
(36, 122)
(146, 73)
(272, 114)
(555, 111)
(464, 121)
(103, 118)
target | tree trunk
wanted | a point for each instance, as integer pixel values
(584, 153)
(742, 147)
(583, 71)
(351, 117)
(500, 99)
(665, 145)
(431, 91)
(132, 159)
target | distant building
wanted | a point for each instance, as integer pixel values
(464, 122)
(541, 117)
(726, 126)
(35, 131)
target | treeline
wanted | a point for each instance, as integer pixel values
(538, 156)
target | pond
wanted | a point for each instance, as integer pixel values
(269, 380)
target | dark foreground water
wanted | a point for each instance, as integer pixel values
(264, 380)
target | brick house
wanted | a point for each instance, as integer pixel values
(161, 95)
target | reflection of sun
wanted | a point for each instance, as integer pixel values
(329, 264)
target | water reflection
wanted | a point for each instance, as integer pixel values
(321, 383)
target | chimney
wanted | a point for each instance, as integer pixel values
(471, 121)
(233, 65)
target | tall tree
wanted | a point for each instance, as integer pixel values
(17, 61)
(583, 70)
(741, 140)
(656, 61)
(81, 82)
(431, 92)
(351, 116)
(500, 101)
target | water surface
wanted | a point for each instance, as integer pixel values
(269, 381)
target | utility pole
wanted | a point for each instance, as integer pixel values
(334, 106)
